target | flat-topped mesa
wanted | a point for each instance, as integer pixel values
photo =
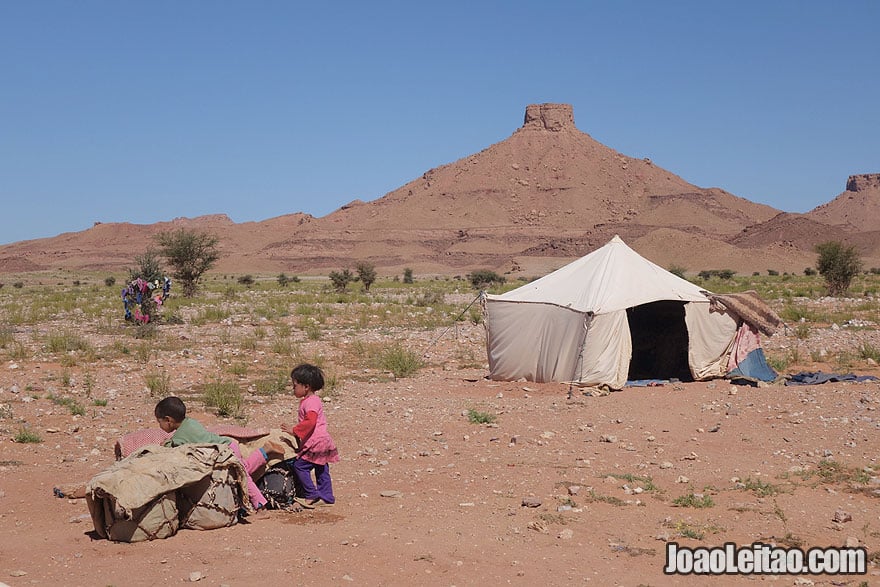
(863, 181)
(552, 117)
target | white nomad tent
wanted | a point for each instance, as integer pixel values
(605, 318)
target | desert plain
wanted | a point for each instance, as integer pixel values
(446, 477)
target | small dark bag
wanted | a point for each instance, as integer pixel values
(278, 485)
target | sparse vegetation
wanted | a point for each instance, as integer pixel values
(475, 417)
(27, 436)
(341, 279)
(400, 361)
(693, 500)
(838, 264)
(190, 253)
(226, 396)
(485, 278)
(366, 273)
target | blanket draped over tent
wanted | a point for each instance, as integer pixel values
(613, 315)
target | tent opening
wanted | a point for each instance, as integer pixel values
(659, 341)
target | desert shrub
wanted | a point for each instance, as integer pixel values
(18, 284)
(485, 278)
(66, 341)
(148, 266)
(109, 281)
(225, 396)
(692, 500)
(772, 272)
(407, 275)
(868, 351)
(190, 253)
(284, 280)
(366, 273)
(475, 417)
(27, 436)
(246, 280)
(400, 361)
(341, 279)
(158, 382)
(719, 273)
(838, 264)
(809, 272)
(677, 270)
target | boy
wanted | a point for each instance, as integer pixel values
(171, 415)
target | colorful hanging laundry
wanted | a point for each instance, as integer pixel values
(141, 297)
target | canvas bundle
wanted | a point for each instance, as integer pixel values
(157, 490)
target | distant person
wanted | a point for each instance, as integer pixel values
(171, 415)
(317, 449)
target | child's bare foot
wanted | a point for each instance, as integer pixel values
(273, 450)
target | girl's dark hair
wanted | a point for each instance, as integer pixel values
(172, 407)
(308, 375)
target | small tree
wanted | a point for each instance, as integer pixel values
(838, 264)
(191, 253)
(341, 279)
(148, 267)
(366, 273)
(407, 275)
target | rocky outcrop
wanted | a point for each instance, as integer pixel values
(863, 182)
(552, 117)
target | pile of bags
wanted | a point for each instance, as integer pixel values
(157, 490)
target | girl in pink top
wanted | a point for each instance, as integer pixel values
(317, 449)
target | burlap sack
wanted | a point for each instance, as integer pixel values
(138, 498)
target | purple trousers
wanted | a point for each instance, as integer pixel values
(303, 470)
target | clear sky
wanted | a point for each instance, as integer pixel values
(124, 111)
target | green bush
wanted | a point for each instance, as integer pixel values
(677, 270)
(400, 361)
(475, 417)
(485, 278)
(838, 264)
(225, 396)
(27, 436)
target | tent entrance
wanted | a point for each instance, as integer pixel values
(659, 341)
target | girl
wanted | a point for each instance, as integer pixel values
(317, 449)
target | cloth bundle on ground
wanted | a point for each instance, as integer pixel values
(818, 378)
(132, 441)
(747, 363)
(157, 490)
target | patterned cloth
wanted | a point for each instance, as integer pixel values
(750, 308)
(318, 448)
(132, 441)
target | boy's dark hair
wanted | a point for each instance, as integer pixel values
(308, 375)
(172, 407)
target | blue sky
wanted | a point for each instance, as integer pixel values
(123, 111)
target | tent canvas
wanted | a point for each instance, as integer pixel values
(607, 317)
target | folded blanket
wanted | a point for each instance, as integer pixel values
(751, 309)
(817, 378)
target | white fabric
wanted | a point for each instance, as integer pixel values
(607, 351)
(538, 343)
(611, 278)
(536, 331)
(710, 340)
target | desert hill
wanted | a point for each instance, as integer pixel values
(526, 205)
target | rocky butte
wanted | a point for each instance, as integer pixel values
(526, 205)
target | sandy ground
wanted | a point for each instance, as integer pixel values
(558, 490)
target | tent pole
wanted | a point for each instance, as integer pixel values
(579, 364)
